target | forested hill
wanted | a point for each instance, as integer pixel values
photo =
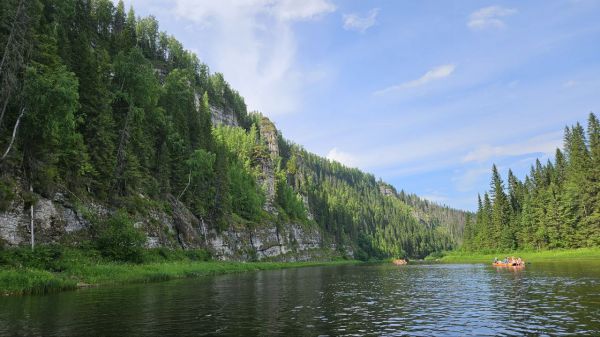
(100, 111)
(557, 205)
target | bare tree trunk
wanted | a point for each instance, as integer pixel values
(13, 31)
(186, 186)
(14, 135)
(31, 221)
(4, 107)
(203, 229)
(14, 56)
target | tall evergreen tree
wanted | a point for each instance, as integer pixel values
(501, 224)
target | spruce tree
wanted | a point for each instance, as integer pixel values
(501, 224)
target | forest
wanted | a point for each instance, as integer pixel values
(557, 205)
(101, 105)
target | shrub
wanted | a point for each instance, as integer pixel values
(6, 194)
(47, 257)
(198, 255)
(120, 241)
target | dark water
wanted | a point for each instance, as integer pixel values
(416, 300)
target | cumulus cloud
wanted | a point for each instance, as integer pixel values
(361, 24)
(253, 43)
(431, 75)
(489, 17)
(342, 157)
(545, 143)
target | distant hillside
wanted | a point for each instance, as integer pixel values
(102, 112)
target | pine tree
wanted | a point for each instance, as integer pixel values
(487, 235)
(501, 224)
(578, 159)
(590, 226)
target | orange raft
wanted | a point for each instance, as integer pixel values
(399, 262)
(511, 264)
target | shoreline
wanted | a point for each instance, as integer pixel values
(528, 256)
(31, 281)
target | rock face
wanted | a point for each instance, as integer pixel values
(289, 242)
(52, 220)
(56, 220)
(269, 135)
(220, 116)
(387, 190)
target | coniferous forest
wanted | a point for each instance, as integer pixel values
(102, 106)
(557, 205)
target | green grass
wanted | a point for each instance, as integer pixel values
(32, 281)
(528, 256)
(22, 272)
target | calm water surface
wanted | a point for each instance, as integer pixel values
(375, 300)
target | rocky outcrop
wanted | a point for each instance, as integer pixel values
(268, 134)
(220, 116)
(53, 219)
(56, 219)
(266, 242)
(387, 190)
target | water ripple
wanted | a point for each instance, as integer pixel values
(375, 300)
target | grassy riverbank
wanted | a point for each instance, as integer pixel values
(74, 269)
(528, 256)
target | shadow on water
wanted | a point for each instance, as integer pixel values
(418, 300)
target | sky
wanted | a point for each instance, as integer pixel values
(426, 95)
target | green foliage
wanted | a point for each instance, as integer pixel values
(289, 200)
(245, 194)
(555, 207)
(349, 205)
(120, 241)
(7, 193)
(118, 112)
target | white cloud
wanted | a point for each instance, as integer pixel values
(471, 179)
(436, 196)
(342, 157)
(361, 24)
(254, 45)
(489, 17)
(431, 75)
(300, 10)
(570, 83)
(545, 143)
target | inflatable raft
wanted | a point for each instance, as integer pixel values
(513, 264)
(400, 262)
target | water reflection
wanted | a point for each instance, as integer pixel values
(416, 300)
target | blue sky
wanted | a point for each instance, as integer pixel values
(424, 94)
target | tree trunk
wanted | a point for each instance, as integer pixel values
(31, 221)
(14, 135)
(186, 186)
(13, 31)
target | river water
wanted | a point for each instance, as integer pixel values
(366, 300)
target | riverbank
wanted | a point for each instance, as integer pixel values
(528, 256)
(86, 272)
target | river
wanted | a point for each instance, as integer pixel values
(363, 300)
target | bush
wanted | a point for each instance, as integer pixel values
(47, 257)
(6, 194)
(198, 255)
(435, 256)
(120, 241)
